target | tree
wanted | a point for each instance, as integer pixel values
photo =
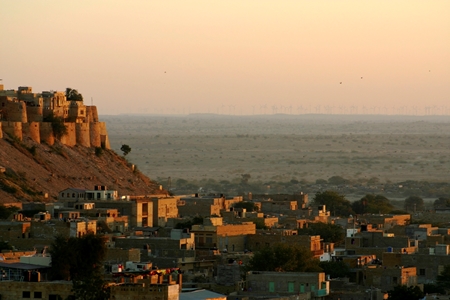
(336, 269)
(373, 204)
(414, 203)
(336, 203)
(402, 292)
(58, 127)
(441, 202)
(80, 260)
(337, 180)
(284, 258)
(443, 279)
(5, 246)
(125, 149)
(73, 95)
(245, 178)
(330, 233)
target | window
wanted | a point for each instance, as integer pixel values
(302, 288)
(422, 272)
(26, 294)
(54, 297)
(271, 286)
(38, 295)
(73, 195)
(394, 279)
(290, 287)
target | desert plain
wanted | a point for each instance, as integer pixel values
(285, 147)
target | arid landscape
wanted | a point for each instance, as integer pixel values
(286, 147)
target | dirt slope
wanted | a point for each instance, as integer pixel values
(31, 170)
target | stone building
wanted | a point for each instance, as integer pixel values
(205, 205)
(311, 285)
(163, 209)
(386, 278)
(228, 238)
(268, 238)
(22, 113)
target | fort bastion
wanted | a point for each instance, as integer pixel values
(24, 114)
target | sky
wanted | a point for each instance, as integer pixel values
(233, 57)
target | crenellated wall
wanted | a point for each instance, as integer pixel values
(83, 134)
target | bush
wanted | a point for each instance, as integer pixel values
(98, 151)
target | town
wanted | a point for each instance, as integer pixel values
(98, 243)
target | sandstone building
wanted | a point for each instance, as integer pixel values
(23, 114)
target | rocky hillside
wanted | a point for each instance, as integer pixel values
(30, 171)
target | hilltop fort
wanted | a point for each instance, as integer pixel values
(24, 113)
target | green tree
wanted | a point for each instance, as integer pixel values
(58, 127)
(336, 269)
(5, 246)
(337, 180)
(284, 258)
(441, 202)
(125, 149)
(429, 288)
(336, 203)
(414, 203)
(245, 178)
(402, 292)
(330, 233)
(443, 279)
(373, 204)
(80, 260)
(72, 94)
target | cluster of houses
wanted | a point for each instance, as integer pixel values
(150, 256)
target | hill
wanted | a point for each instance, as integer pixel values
(37, 172)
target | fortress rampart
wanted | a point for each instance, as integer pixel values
(83, 134)
(24, 114)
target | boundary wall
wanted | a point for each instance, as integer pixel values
(83, 134)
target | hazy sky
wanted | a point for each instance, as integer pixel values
(232, 56)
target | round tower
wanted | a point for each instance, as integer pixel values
(32, 130)
(82, 134)
(94, 132)
(104, 136)
(46, 132)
